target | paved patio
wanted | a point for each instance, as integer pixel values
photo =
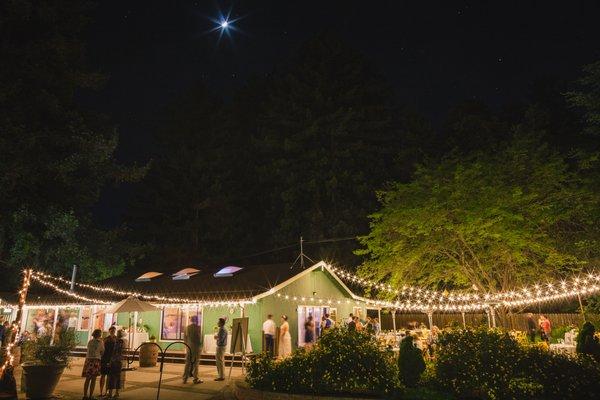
(143, 383)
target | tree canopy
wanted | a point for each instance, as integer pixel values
(56, 158)
(495, 219)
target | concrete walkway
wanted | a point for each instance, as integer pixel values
(142, 384)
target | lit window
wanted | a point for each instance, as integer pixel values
(147, 276)
(185, 273)
(227, 271)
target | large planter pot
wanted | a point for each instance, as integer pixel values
(41, 380)
(148, 355)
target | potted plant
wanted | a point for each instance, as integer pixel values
(149, 353)
(46, 359)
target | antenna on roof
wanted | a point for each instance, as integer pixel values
(301, 256)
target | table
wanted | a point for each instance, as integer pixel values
(210, 344)
(563, 348)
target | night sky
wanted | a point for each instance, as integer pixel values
(434, 54)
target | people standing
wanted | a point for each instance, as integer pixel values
(350, 319)
(8, 333)
(91, 367)
(531, 328)
(352, 324)
(309, 332)
(109, 345)
(329, 323)
(359, 325)
(285, 339)
(269, 332)
(2, 331)
(376, 326)
(546, 328)
(192, 339)
(221, 338)
(116, 376)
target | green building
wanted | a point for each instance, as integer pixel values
(206, 293)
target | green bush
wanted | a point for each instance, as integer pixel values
(410, 363)
(561, 376)
(587, 342)
(490, 364)
(477, 363)
(525, 389)
(559, 332)
(342, 362)
(43, 351)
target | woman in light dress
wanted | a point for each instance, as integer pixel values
(285, 339)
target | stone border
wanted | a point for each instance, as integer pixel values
(241, 391)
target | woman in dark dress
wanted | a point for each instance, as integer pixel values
(116, 375)
(109, 345)
(309, 332)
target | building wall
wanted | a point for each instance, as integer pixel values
(318, 284)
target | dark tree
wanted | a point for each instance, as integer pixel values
(55, 159)
(325, 142)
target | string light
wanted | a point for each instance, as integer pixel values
(15, 327)
(161, 300)
(537, 293)
(409, 298)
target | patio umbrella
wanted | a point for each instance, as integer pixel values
(129, 305)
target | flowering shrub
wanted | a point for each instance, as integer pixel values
(477, 363)
(342, 362)
(562, 376)
(490, 364)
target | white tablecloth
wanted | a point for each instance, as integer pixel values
(210, 344)
(563, 348)
(137, 339)
(570, 337)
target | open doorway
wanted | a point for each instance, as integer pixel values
(317, 312)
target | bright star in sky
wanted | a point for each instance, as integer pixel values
(225, 25)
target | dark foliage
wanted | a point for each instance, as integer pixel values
(490, 364)
(587, 342)
(55, 158)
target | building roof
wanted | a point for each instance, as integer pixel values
(249, 283)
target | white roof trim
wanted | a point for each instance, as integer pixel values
(320, 264)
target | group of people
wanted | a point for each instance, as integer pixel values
(371, 325)
(5, 332)
(192, 340)
(312, 330)
(284, 346)
(543, 327)
(104, 358)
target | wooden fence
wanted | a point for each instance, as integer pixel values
(442, 320)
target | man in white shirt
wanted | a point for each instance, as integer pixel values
(269, 331)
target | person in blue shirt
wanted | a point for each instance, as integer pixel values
(221, 338)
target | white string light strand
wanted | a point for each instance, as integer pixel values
(538, 293)
(162, 300)
(16, 325)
